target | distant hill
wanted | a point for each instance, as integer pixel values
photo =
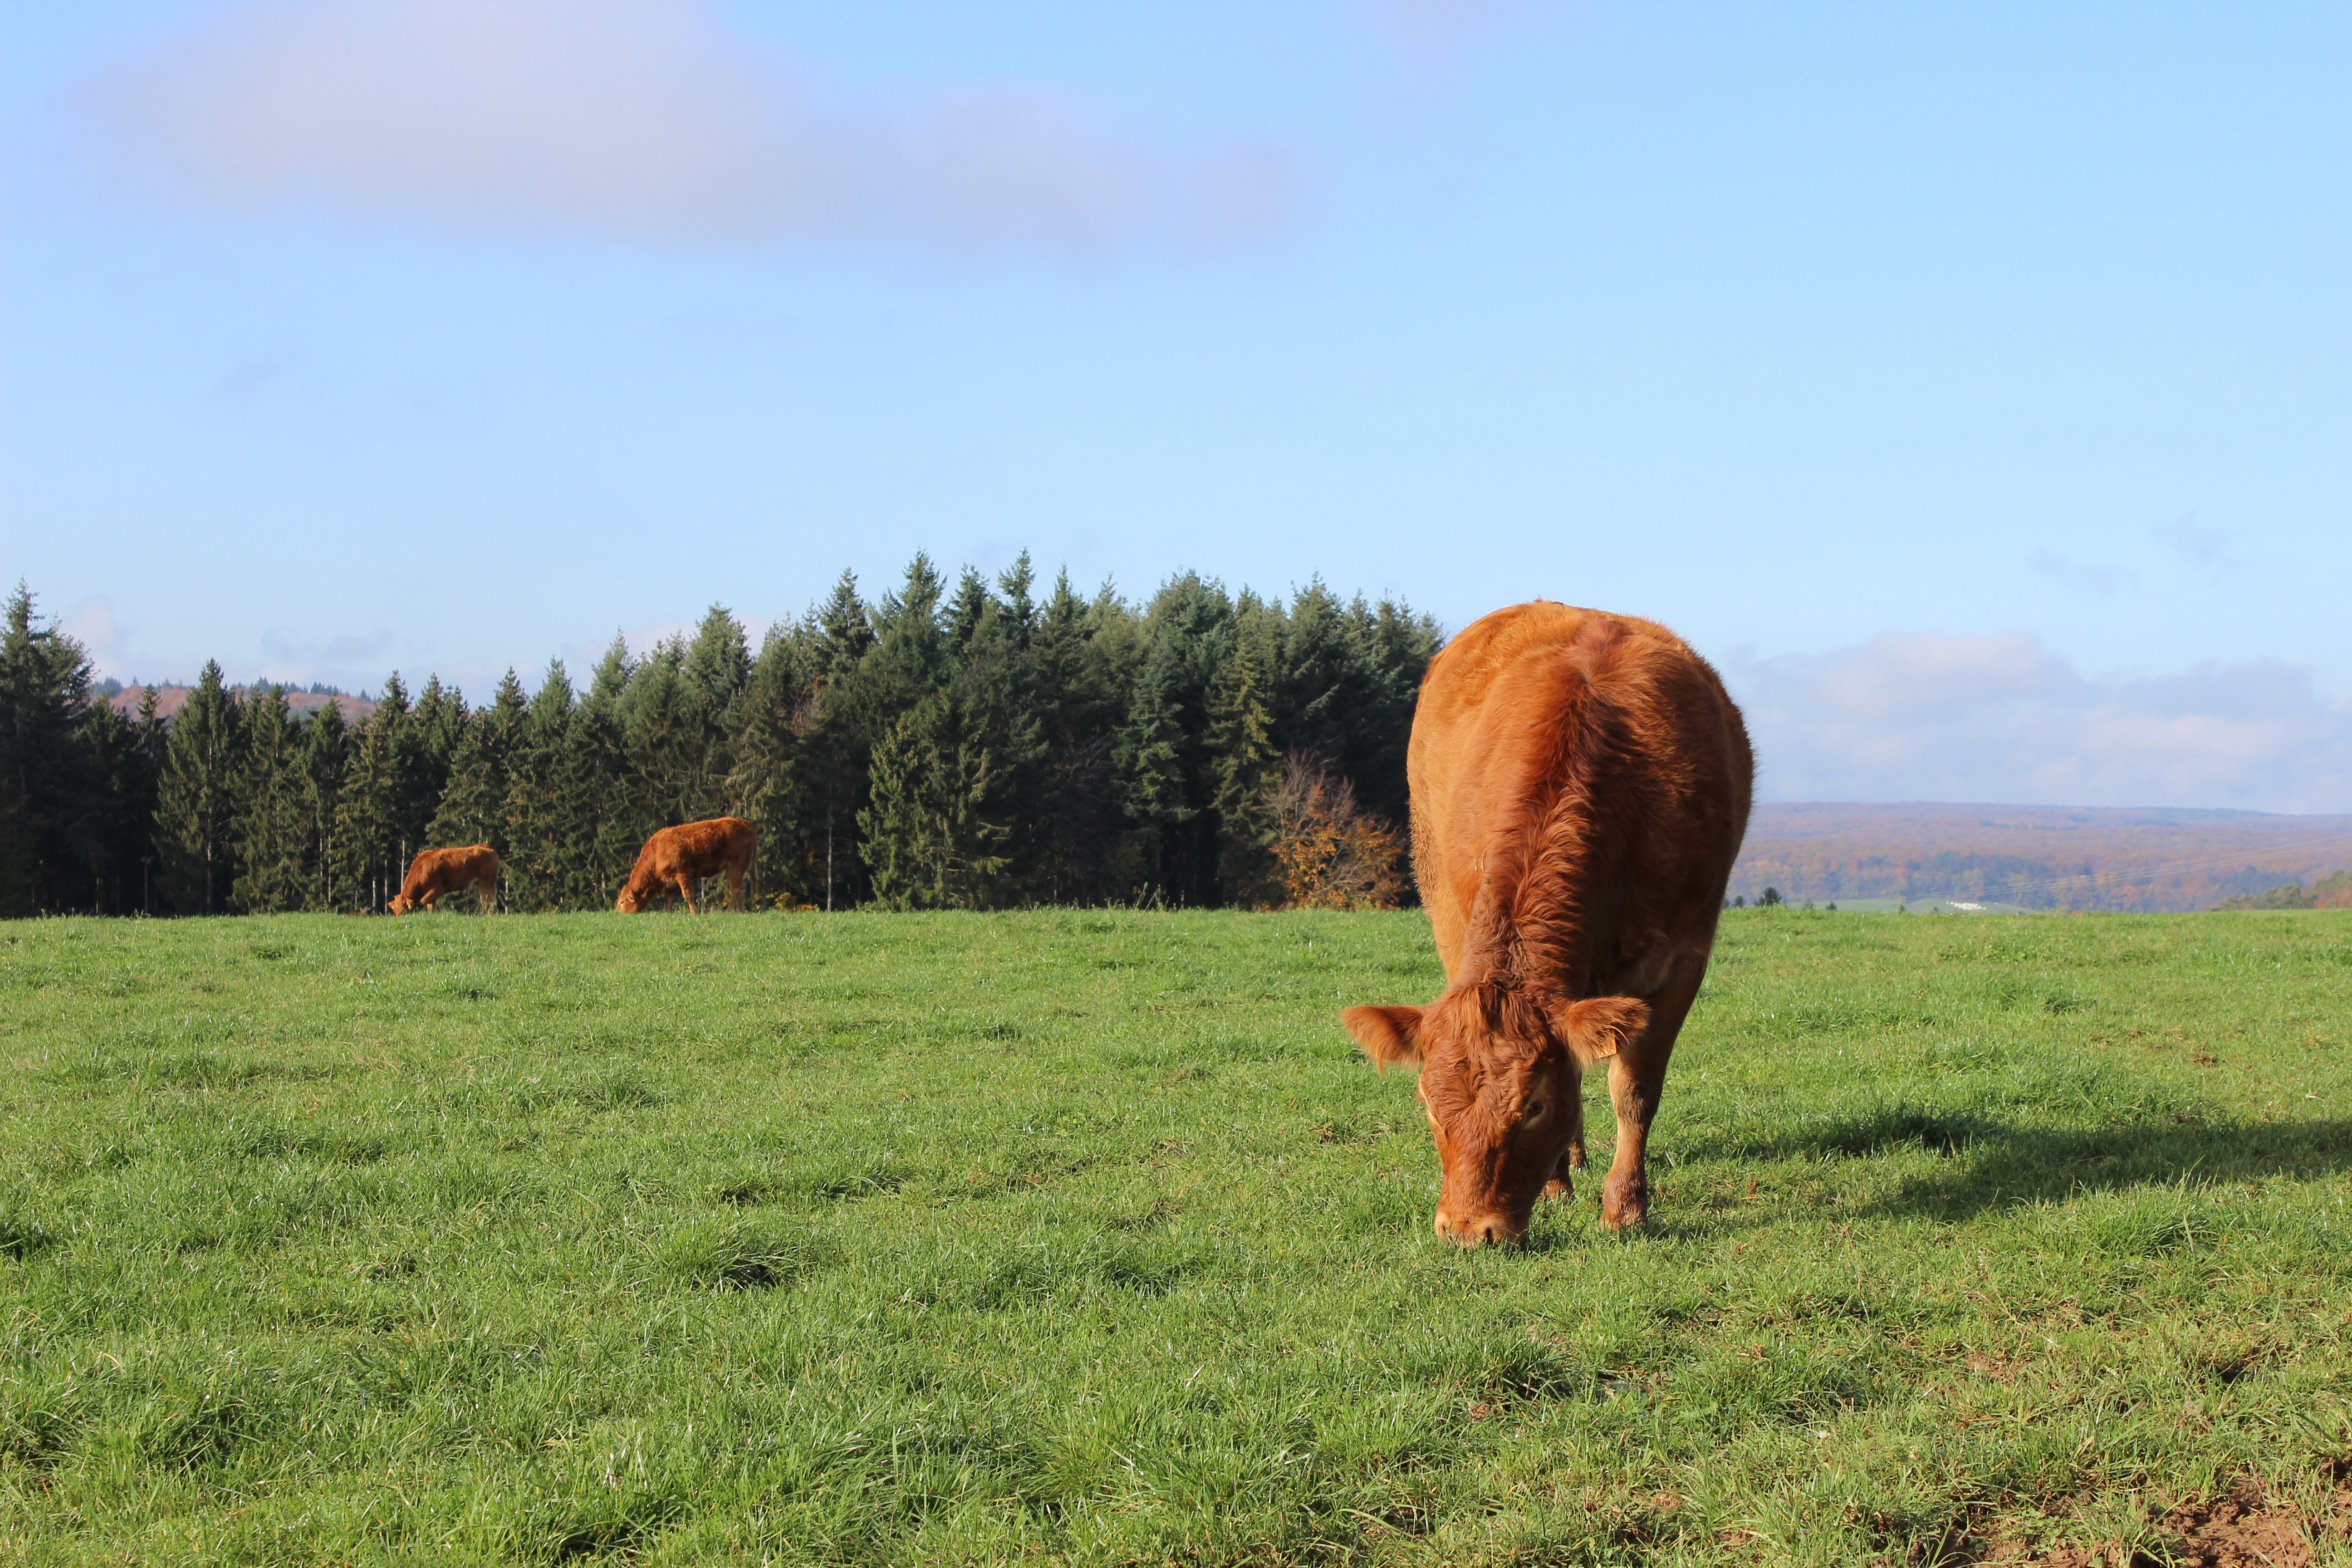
(170, 700)
(2036, 856)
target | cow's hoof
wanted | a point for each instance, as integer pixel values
(1576, 1156)
(1625, 1205)
(1559, 1188)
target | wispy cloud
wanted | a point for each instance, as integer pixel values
(1931, 717)
(646, 119)
(2081, 576)
(2196, 544)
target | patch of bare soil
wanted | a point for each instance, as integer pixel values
(2243, 1529)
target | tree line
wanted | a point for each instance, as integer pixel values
(977, 744)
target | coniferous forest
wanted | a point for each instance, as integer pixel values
(979, 745)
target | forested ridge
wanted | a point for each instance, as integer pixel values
(2038, 857)
(975, 744)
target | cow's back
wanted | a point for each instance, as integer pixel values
(1580, 785)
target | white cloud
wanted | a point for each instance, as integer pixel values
(91, 622)
(646, 119)
(1930, 717)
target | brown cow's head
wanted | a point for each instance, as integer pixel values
(1499, 1076)
(401, 904)
(628, 903)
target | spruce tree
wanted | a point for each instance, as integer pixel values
(121, 804)
(718, 661)
(769, 783)
(549, 846)
(196, 798)
(927, 841)
(910, 658)
(270, 838)
(370, 859)
(1150, 758)
(474, 805)
(1191, 632)
(154, 741)
(669, 729)
(1005, 707)
(603, 785)
(326, 753)
(44, 684)
(1090, 857)
(1243, 762)
(425, 749)
(839, 742)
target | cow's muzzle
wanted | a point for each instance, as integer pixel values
(1479, 1230)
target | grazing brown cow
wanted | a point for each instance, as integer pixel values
(674, 859)
(437, 871)
(1580, 785)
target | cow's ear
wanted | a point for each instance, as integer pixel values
(1599, 1026)
(1389, 1035)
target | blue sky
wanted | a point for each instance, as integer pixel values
(1974, 383)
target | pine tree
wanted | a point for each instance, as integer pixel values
(121, 805)
(769, 783)
(269, 837)
(603, 783)
(837, 746)
(371, 856)
(1089, 855)
(326, 753)
(474, 805)
(1008, 704)
(154, 743)
(44, 683)
(1243, 762)
(426, 747)
(910, 659)
(549, 844)
(926, 839)
(196, 806)
(718, 661)
(1150, 768)
(1190, 633)
(670, 748)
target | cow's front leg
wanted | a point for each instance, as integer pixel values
(1633, 1093)
(1574, 1159)
(686, 891)
(1562, 1184)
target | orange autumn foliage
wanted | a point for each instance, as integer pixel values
(1329, 853)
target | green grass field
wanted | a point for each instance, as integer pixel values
(1090, 1237)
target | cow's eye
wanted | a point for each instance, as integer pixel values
(1535, 1109)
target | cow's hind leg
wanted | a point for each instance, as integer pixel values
(735, 886)
(1637, 1077)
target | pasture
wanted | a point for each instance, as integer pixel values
(1088, 1237)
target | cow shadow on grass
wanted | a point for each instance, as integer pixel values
(1990, 1162)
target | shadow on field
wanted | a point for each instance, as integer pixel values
(1990, 1163)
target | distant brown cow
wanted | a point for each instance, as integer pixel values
(674, 859)
(1581, 784)
(437, 871)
